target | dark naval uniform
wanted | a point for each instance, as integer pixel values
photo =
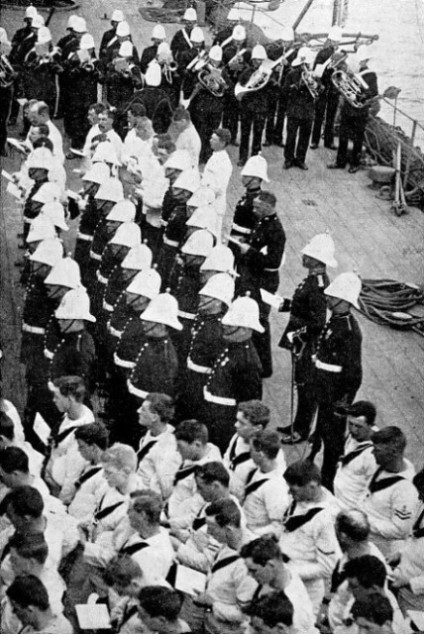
(308, 311)
(243, 221)
(253, 111)
(205, 346)
(327, 102)
(236, 376)
(87, 226)
(180, 44)
(74, 355)
(172, 240)
(259, 268)
(338, 376)
(277, 99)
(300, 117)
(186, 292)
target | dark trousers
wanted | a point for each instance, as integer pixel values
(275, 119)
(231, 114)
(326, 105)
(219, 419)
(205, 123)
(297, 140)
(351, 128)
(251, 121)
(262, 341)
(306, 399)
(6, 95)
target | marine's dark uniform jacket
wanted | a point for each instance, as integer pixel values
(156, 368)
(244, 219)
(74, 356)
(338, 360)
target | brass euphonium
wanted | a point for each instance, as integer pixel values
(308, 79)
(211, 78)
(350, 86)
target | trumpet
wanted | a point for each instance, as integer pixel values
(308, 79)
(168, 65)
(7, 74)
(351, 87)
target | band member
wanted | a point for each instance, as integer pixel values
(109, 37)
(154, 99)
(206, 103)
(354, 116)
(150, 52)
(328, 99)
(189, 59)
(181, 42)
(41, 68)
(122, 76)
(226, 33)
(171, 80)
(277, 99)
(300, 89)
(22, 42)
(308, 310)
(253, 108)
(235, 56)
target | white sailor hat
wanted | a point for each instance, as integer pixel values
(346, 286)
(243, 313)
(106, 153)
(47, 193)
(66, 272)
(43, 35)
(163, 309)
(179, 160)
(257, 167)
(200, 243)
(138, 258)
(123, 29)
(158, 32)
(321, 248)
(147, 283)
(220, 259)
(188, 180)
(259, 52)
(220, 286)
(111, 190)
(215, 53)
(197, 35)
(117, 16)
(41, 228)
(239, 33)
(55, 212)
(49, 251)
(127, 235)
(153, 76)
(204, 218)
(190, 15)
(123, 211)
(202, 197)
(75, 304)
(99, 173)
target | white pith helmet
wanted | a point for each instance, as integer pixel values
(200, 243)
(163, 309)
(75, 304)
(204, 218)
(55, 212)
(41, 229)
(203, 196)
(123, 29)
(105, 153)
(197, 35)
(111, 190)
(239, 33)
(127, 235)
(138, 258)
(243, 313)
(47, 193)
(123, 211)
(346, 286)
(40, 158)
(220, 259)
(87, 42)
(179, 160)
(215, 54)
(164, 50)
(321, 248)
(43, 35)
(220, 286)
(49, 252)
(259, 52)
(117, 16)
(190, 15)
(362, 53)
(146, 283)
(153, 76)
(335, 34)
(158, 32)
(31, 12)
(304, 56)
(38, 21)
(99, 173)
(66, 272)
(126, 49)
(256, 166)
(287, 34)
(188, 180)
(233, 15)
(80, 25)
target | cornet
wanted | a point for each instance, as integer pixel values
(310, 82)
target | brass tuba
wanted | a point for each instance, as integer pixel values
(351, 87)
(211, 78)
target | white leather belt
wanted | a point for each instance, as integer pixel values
(107, 307)
(101, 279)
(34, 330)
(219, 400)
(48, 354)
(95, 256)
(114, 332)
(84, 236)
(181, 313)
(240, 229)
(122, 363)
(201, 369)
(271, 270)
(136, 391)
(171, 243)
(328, 367)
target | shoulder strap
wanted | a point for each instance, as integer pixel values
(296, 521)
(223, 563)
(375, 486)
(100, 515)
(86, 476)
(238, 460)
(354, 454)
(64, 434)
(145, 450)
